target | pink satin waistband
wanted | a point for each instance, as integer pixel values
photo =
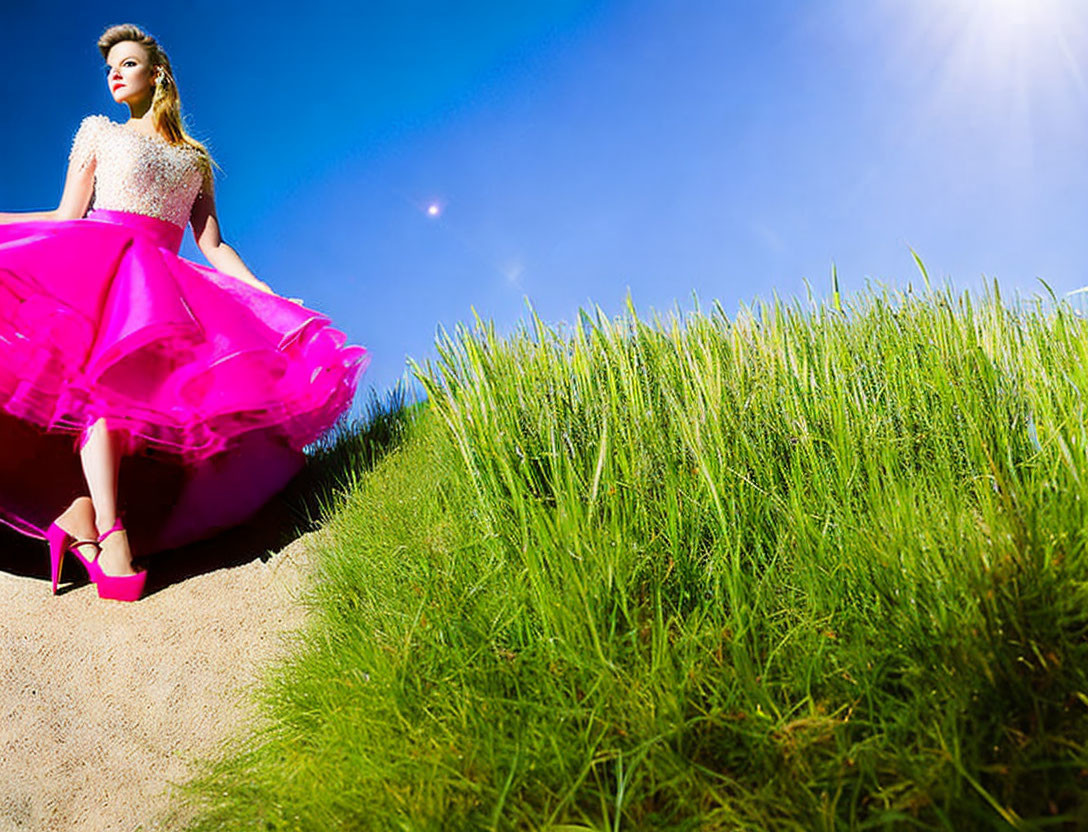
(163, 233)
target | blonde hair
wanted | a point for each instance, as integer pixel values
(165, 103)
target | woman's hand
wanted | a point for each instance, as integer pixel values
(27, 216)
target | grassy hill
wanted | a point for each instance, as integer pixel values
(806, 568)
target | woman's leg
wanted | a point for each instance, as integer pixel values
(101, 458)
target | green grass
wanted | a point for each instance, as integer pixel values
(809, 568)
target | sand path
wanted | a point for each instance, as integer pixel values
(104, 705)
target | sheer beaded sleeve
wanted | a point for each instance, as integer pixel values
(84, 145)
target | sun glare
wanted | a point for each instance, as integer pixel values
(1010, 47)
(1006, 75)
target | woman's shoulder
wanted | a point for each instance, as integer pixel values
(92, 125)
(94, 121)
(86, 139)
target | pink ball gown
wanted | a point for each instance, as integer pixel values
(217, 386)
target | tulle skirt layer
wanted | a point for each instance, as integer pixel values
(216, 386)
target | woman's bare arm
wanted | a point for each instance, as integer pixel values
(206, 232)
(78, 187)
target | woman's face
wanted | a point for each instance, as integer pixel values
(129, 72)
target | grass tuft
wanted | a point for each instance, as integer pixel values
(806, 568)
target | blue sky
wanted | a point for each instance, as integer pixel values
(581, 150)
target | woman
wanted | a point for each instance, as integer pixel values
(195, 388)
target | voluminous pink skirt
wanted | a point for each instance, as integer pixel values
(217, 386)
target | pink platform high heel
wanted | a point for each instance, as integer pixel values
(60, 543)
(119, 587)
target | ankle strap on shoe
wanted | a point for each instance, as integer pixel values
(116, 527)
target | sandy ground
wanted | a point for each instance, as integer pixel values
(104, 705)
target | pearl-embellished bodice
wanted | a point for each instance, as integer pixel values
(139, 173)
